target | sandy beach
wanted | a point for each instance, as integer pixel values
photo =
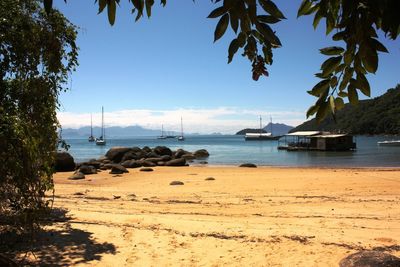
(245, 217)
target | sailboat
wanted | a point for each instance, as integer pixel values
(162, 136)
(261, 135)
(181, 137)
(101, 141)
(91, 137)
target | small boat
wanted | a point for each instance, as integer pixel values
(101, 141)
(389, 143)
(162, 136)
(91, 137)
(181, 137)
(261, 136)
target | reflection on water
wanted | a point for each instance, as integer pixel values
(233, 150)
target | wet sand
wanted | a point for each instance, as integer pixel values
(245, 217)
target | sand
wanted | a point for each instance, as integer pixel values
(245, 217)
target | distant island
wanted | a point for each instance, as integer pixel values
(114, 131)
(380, 115)
(277, 129)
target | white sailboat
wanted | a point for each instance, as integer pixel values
(181, 137)
(389, 143)
(162, 136)
(101, 141)
(261, 135)
(91, 137)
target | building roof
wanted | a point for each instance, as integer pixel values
(258, 134)
(330, 135)
(304, 133)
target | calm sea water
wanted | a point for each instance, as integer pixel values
(233, 150)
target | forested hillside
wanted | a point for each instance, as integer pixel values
(380, 115)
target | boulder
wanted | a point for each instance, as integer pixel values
(166, 158)
(370, 259)
(94, 163)
(152, 155)
(161, 163)
(64, 162)
(162, 151)
(106, 166)
(146, 169)
(115, 154)
(130, 155)
(77, 176)
(176, 183)
(118, 169)
(131, 164)
(176, 162)
(201, 154)
(188, 156)
(147, 163)
(248, 165)
(87, 169)
(146, 149)
(179, 153)
(154, 160)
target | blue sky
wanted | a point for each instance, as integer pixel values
(156, 70)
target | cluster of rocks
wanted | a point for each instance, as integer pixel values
(119, 159)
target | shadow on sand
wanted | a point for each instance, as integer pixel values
(58, 244)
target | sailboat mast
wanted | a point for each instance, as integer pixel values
(181, 127)
(91, 125)
(102, 123)
(260, 125)
(271, 124)
(162, 129)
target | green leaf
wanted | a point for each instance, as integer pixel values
(342, 94)
(149, 4)
(271, 8)
(306, 8)
(322, 112)
(332, 104)
(352, 95)
(221, 27)
(268, 33)
(320, 88)
(111, 8)
(318, 16)
(219, 11)
(330, 23)
(234, 20)
(339, 36)
(233, 48)
(102, 5)
(312, 110)
(332, 50)
(363, 84)
(378, 45)
(330, 65)
(333, 81)
(370, 61)
(339, 103)
(241, 39)
(268, 19)
(48, 4)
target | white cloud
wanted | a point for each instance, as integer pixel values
(222, 119)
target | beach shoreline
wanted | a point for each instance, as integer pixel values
(264, 216)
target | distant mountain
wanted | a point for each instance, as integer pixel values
(249, 130)
(114, 131)
(380, 115)
(277, 129)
